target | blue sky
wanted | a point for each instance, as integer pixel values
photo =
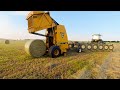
(80, 25)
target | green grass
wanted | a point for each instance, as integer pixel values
(16, 64)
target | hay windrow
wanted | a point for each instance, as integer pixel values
(35, 48)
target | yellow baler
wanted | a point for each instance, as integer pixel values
(56, 35)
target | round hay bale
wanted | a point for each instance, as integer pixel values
(7, 41)
(35, 48)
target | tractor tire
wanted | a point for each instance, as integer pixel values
(100, 42)
(54, 51)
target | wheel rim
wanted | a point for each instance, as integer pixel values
(56, 52)
(95, 47)
(100, 47)
(111, 47)
(89, 47)
(83, 46)
(106, 47)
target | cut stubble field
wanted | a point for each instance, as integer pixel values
(16, 64)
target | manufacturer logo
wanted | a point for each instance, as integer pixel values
(62, 34)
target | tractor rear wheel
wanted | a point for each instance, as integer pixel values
(54, 51)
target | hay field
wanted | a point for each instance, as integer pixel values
(16, 64)
(111, 68)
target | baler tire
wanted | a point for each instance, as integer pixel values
(54, 51)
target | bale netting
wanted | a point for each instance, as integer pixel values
(35, 48)
(7, 42)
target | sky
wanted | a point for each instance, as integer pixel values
(80, 25)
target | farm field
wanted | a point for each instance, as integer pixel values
(16, 64)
